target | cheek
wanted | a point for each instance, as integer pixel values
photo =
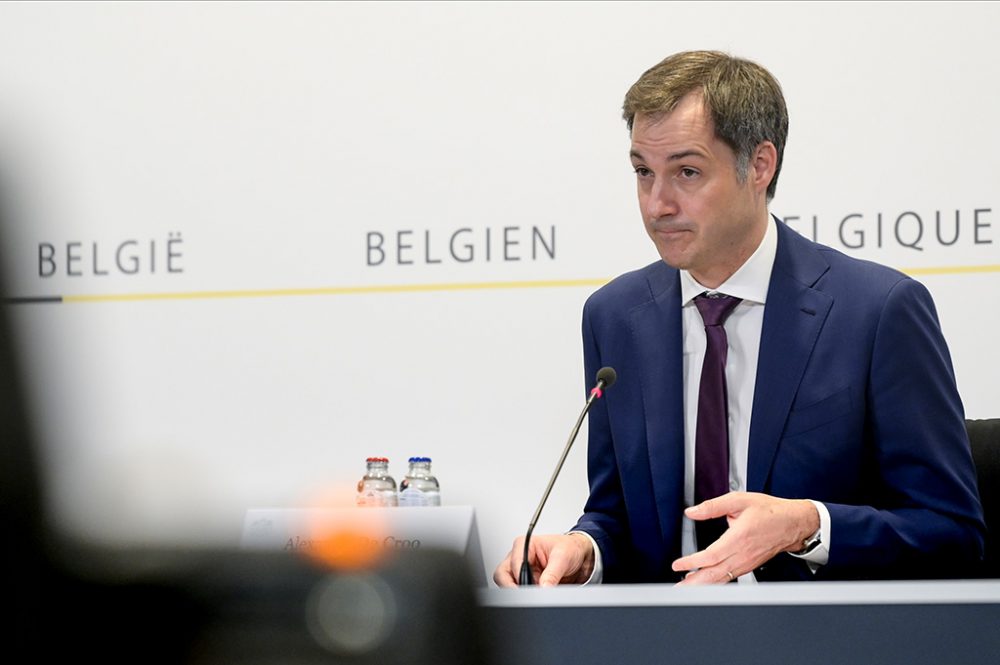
(709, 209)
(648, 227)
(643, 197)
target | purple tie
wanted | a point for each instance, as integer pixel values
(711, 457)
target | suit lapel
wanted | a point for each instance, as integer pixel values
(656, 331)
(793, 317)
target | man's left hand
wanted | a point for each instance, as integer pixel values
(760, 526)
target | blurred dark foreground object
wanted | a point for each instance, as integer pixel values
(256, 607)
(75, 599)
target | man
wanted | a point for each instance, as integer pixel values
(826, 380)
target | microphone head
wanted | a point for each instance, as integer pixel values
(608, 375)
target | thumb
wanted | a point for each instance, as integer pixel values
(556, 568)
(549, 577)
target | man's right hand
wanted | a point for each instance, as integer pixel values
(555, 559)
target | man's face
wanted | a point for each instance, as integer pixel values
(700, 216)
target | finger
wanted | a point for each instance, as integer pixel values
(713, 575)
(703, 559)
(720, 506)
(713, 555)
(503, 575)
(510, 568)
(504, 579)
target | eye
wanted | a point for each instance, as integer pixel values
(643, 172)
(687, 172)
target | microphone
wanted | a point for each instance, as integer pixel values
(606, 377)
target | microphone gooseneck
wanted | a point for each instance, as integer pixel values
(606, 377)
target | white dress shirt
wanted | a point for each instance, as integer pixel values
(743, 330)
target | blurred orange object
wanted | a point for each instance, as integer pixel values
(342, 536)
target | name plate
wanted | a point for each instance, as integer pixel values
(450, 528)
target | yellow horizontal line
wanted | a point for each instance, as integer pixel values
(951, 270)
(422, 288)
(336, 290)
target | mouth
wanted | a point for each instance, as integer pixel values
(669, 230)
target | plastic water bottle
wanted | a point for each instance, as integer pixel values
(419, 487)
(377, 488)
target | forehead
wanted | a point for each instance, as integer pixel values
(688, 124)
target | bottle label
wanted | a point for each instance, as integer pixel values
(376, 498)
(412, 496)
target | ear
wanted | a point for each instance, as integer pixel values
(763, 164)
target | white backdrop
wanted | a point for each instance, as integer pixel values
(202, 184)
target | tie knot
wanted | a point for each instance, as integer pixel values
(715, 308)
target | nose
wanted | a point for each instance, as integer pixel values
(660, 201)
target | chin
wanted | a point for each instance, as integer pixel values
(675, 259)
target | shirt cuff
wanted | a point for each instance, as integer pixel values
(598, 573)
(818, 556)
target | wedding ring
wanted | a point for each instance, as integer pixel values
(730, 573)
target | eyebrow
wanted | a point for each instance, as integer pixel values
(634, 154)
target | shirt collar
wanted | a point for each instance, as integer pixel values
(749, 282)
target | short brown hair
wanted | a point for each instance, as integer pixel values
(743, 99)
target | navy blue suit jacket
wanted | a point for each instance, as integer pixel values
(855, 405)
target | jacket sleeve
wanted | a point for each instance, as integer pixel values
(605, 518)
(924, 517)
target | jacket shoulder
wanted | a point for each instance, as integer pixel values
(832, 269)
(632, 288)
